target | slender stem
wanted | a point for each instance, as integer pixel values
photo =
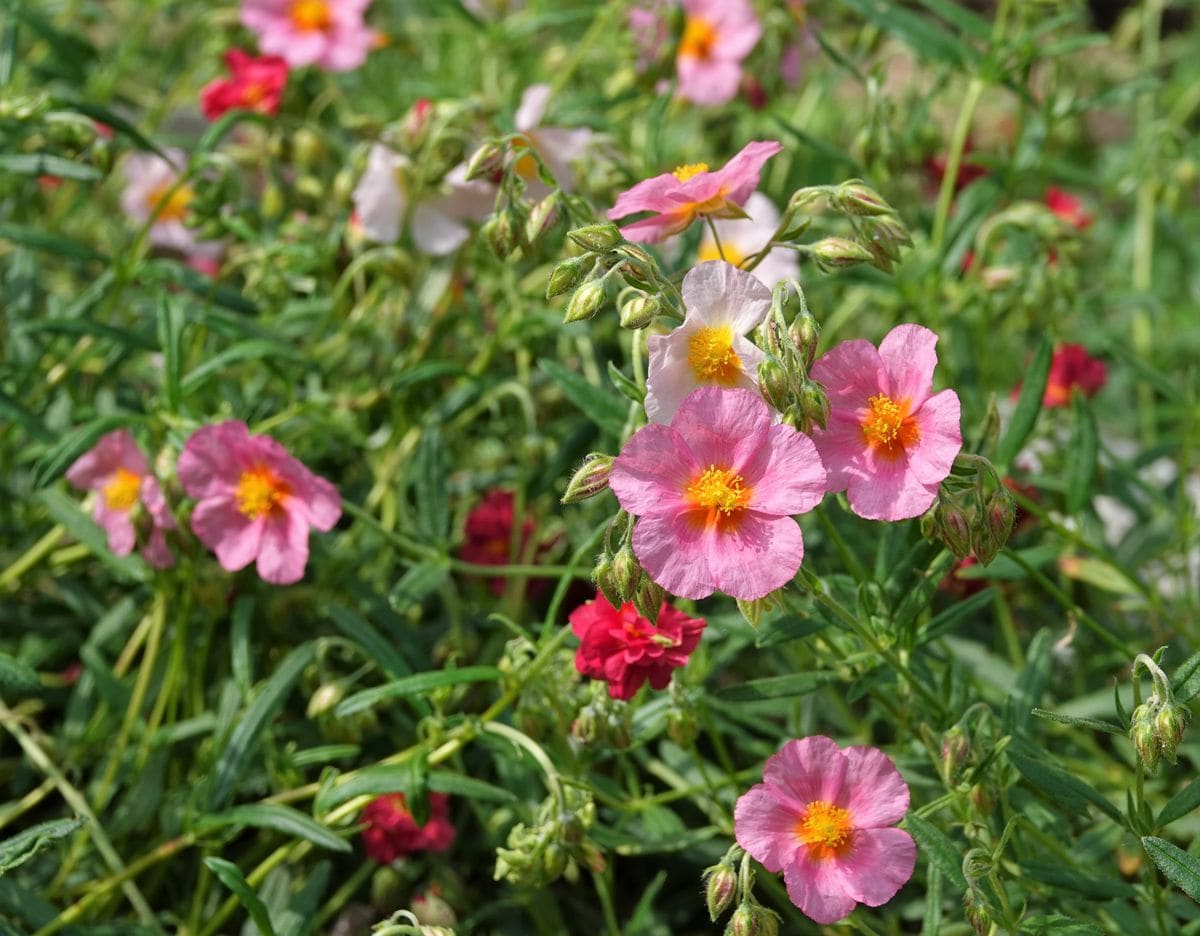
(31, 557)
(712, 227)
(958, 143)
(534, 750)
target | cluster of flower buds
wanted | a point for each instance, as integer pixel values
(619, 575)
(544, 701)
(974, 511)
(603, 721)
(1158, 724)
(879, 234)
(789, 334)
(406, 923)
(723, 886)
(556, 845)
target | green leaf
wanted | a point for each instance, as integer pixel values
(283, 819)
(1094, 724)
(1089, 884)
(65, 511)
(170, 339)
(37, 164)
(412, 685)
(1181, 869)
(1032, 681)
(16, 412)
(375, 646)
(16, 677)
(920, 33)
(415, 585)
(959, 611)
(1029, 404)
(628, 388)
(1055, 924)
(1180, 804)
(398, 778)
(937, 846)
(109, 118)
(1186, 681)
(231, 876)
(600, 406)
(54, 462)
(234, 758)
(789, 627)
(428, 470)
(775, 687)
(36, 239)
(1062, 787)
(254, 349)
(1081, 455)
(17, 850)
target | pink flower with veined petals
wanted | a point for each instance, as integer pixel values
(717, 36)
(709, 349)
(715, 492)
(328, 33)
(822, 816)
(254, 84)
(890, 442)
(678, 198)
(256, 502)
(116, 470)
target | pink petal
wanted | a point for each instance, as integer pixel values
(939, 420)
(113, 450)
(117, 524)
(793, 479)
(155, 504)
(908, 356)
(805, 771)
(156, 552)
(212, 459)
(533, 107)
(718, 293)
(671, 377)
(648, 195)
(889, 491)
(661, 226)
(851, 373)
(314, 499)
(738, 33)
(670, 550)
(766, 828)
(379, 202)
(819, 889)
(226, 531)
(435, 233)
(653, 469)
(708, 82)
(880, 862)
(722, 426)
(740, 175)
(284, 550)
(842, 449)
(759, 556)
(348, 48)
(878, 795)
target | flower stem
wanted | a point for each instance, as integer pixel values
(958, 143)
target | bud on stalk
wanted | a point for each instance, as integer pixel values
(719, 888)
(834, 253)
(591, 478)
(486, 161)
(639, 311)
(648, 599)
(585, 303)
(598, 237)
(568, 275)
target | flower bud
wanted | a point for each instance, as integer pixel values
(1169, 725)
(429, 908)
(568, 275)
(954, 529)
(648, 599)
(639, 311)
(805, 334)
(416, 122)
(637, 266)
(834, 253)
(501, 234)
(554, 861)
(774, 383)
(627, 575)
(591, 478)
(605, 578)
(585, 303)
(585, 728)
(752, 919)
(325, 698)
(542, 218)
(998, 515)
(307, 147)
(1144, 734)
(955, 748)
(486, 161)
(682, 727)
(814, 403)
(720, 885)
(598, 237)
(854, 197)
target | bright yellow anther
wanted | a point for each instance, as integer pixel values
(122, 490)
(712, 358)
(685, 172)
(699, 36)
(825, 828)
(719, 489)
(311, 15)
(260, 492)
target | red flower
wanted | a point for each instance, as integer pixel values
(1066, 206)
(968, 172)
(1071, 367)
(392, 832)
(489, 531)
(254, 84)
(626, 650)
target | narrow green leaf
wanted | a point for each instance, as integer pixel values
(170, 339)
(1180, 804)
(283, 819)
(1087, 883)
(16, 677)
(920, 33)
(600, 406)
(64, 510)
(1081, 454)
(17, 850)
(937, 846)
(375, 646)
(37, 239)
(111, 119)
(775, 687)
(54, 462)
(1181, 869)
(428, 469)
(412, 685)
(1062, 787)
(1094, 724)
(1185, 683)
(398, 778)
(254, 349)
(931, 922)
(1031, 681)
(416, 584)
(231, 876)
(959, 611)
(1029, 404)
(628, 387)
(38, 164)
(12, 411)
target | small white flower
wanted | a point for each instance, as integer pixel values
(741, 238)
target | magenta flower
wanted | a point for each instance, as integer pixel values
(889, 442)
(254, 84)
(116, 470)
(715, 492)
(328, 33)
(717, 36)
(256, 502)
(821, 816)
(678, 198)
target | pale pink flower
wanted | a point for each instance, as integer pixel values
(152, 190)
(650, 29)
(717, 36)
(678, 198)
(822, 817)
(890, 442)
(328, 33)
(256, 502)
(116, 470)
(383, 206)
(723, 304)
(715, 492)
(742, 238)
(559, 147)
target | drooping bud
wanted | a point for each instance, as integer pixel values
(856, 198)
(542, 218)
(752, 919)
(954, 529)
(598, 237)
(486, 161)
(884, 238)
(591, 478)
(835, 253)
(648, 599)
(774, 383)
(627, 575)
(1144, 734)
(814, 403)
(325, 698)
(501, 234)
(568, 275)
(605, 580)
(430, 909)
(720, 885)
(805, 334)
(955, 748)
(585, 303)
(639, 311)
(1169, 725)
(998, 515)
(637, 266)
(416, 122)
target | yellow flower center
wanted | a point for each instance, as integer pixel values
(261, 492)
(826, 829)
(699, 36)
(686, 171)
(311, 15)
(709, 251)
(122, 490)
(174, 205)
(711, 355)
(887, 426)
(719, 490)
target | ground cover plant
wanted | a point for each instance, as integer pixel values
(639, 467)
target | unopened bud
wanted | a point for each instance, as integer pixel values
(752, 919)
(805, 334)
(486, 161)
(648, 599)
(585, 303)
(719, 887)
(501, 234)
(856, 198)
(998, 277)
(554, 861)
(1169, 724)
(542, 218)
(591, 478)
(682, 728)
(416, 122)
(884, 238)
(605, 579)
(325, 698)
(627, 575)
(430, 909)
(307, 147)
(835, 253)
(639, 311)
(637, 266)
(955, 530)
(998, 515)
(955, 748)
(568, 275)
(598, 237)
(814, 403)
(435, 931)
(774, 383)
(1144, 734)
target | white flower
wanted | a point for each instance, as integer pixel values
(559, 147)
(722, 304)
(741, 238)
(149, 180)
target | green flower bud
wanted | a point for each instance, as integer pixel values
(554, 861)
(637, 267)
(648, 599)
(542, 218)
(627, 575)
(639, 311)
(568, 275)
(501, 234)
(598, 237)
(774, 383)
(835, 253)
(1143, 732)
(591, 478)
(954, 529)
(956, 746)
(325, 698)
(720, 885)
(605, 579)
(486, 161)
(854, 197)
(998, 515)
(307, 147)
(1169, 725)
(814, 403)
(805, 334)
(585, 303)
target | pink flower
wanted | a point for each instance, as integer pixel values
(741, 238)
(152, 190)
(329, 33)
(889, 443)
(559, 147)
(1066, 206)
(392, 832)
(717, 36)
(256, 502)
(650, 29)
(678, 198)
(254, 84)
(116, 470)
(821, 816)
(716, 491)
(708, 349)
(625, 649)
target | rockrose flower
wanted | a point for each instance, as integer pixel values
(256, 502)
(116, 470)
(559, 147)
(151, 191)
(822, 817)
(678, 198)
(742, 238)
(1066, 206)
(709, 348)
(392, 832)
(1072, 366)
(328, 33)
(715, 492)
(626, 650)
(253, 84)
(489, 538)
(890, 441)
(717, 36)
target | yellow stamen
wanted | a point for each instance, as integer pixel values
(311, 15)
(719, 490)
(174, 205)
(122, 490)
(260, 492)
(699, 36)
(711, 355)
(708, 251)
(686, 171)
(826, 829)
(888, 425)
